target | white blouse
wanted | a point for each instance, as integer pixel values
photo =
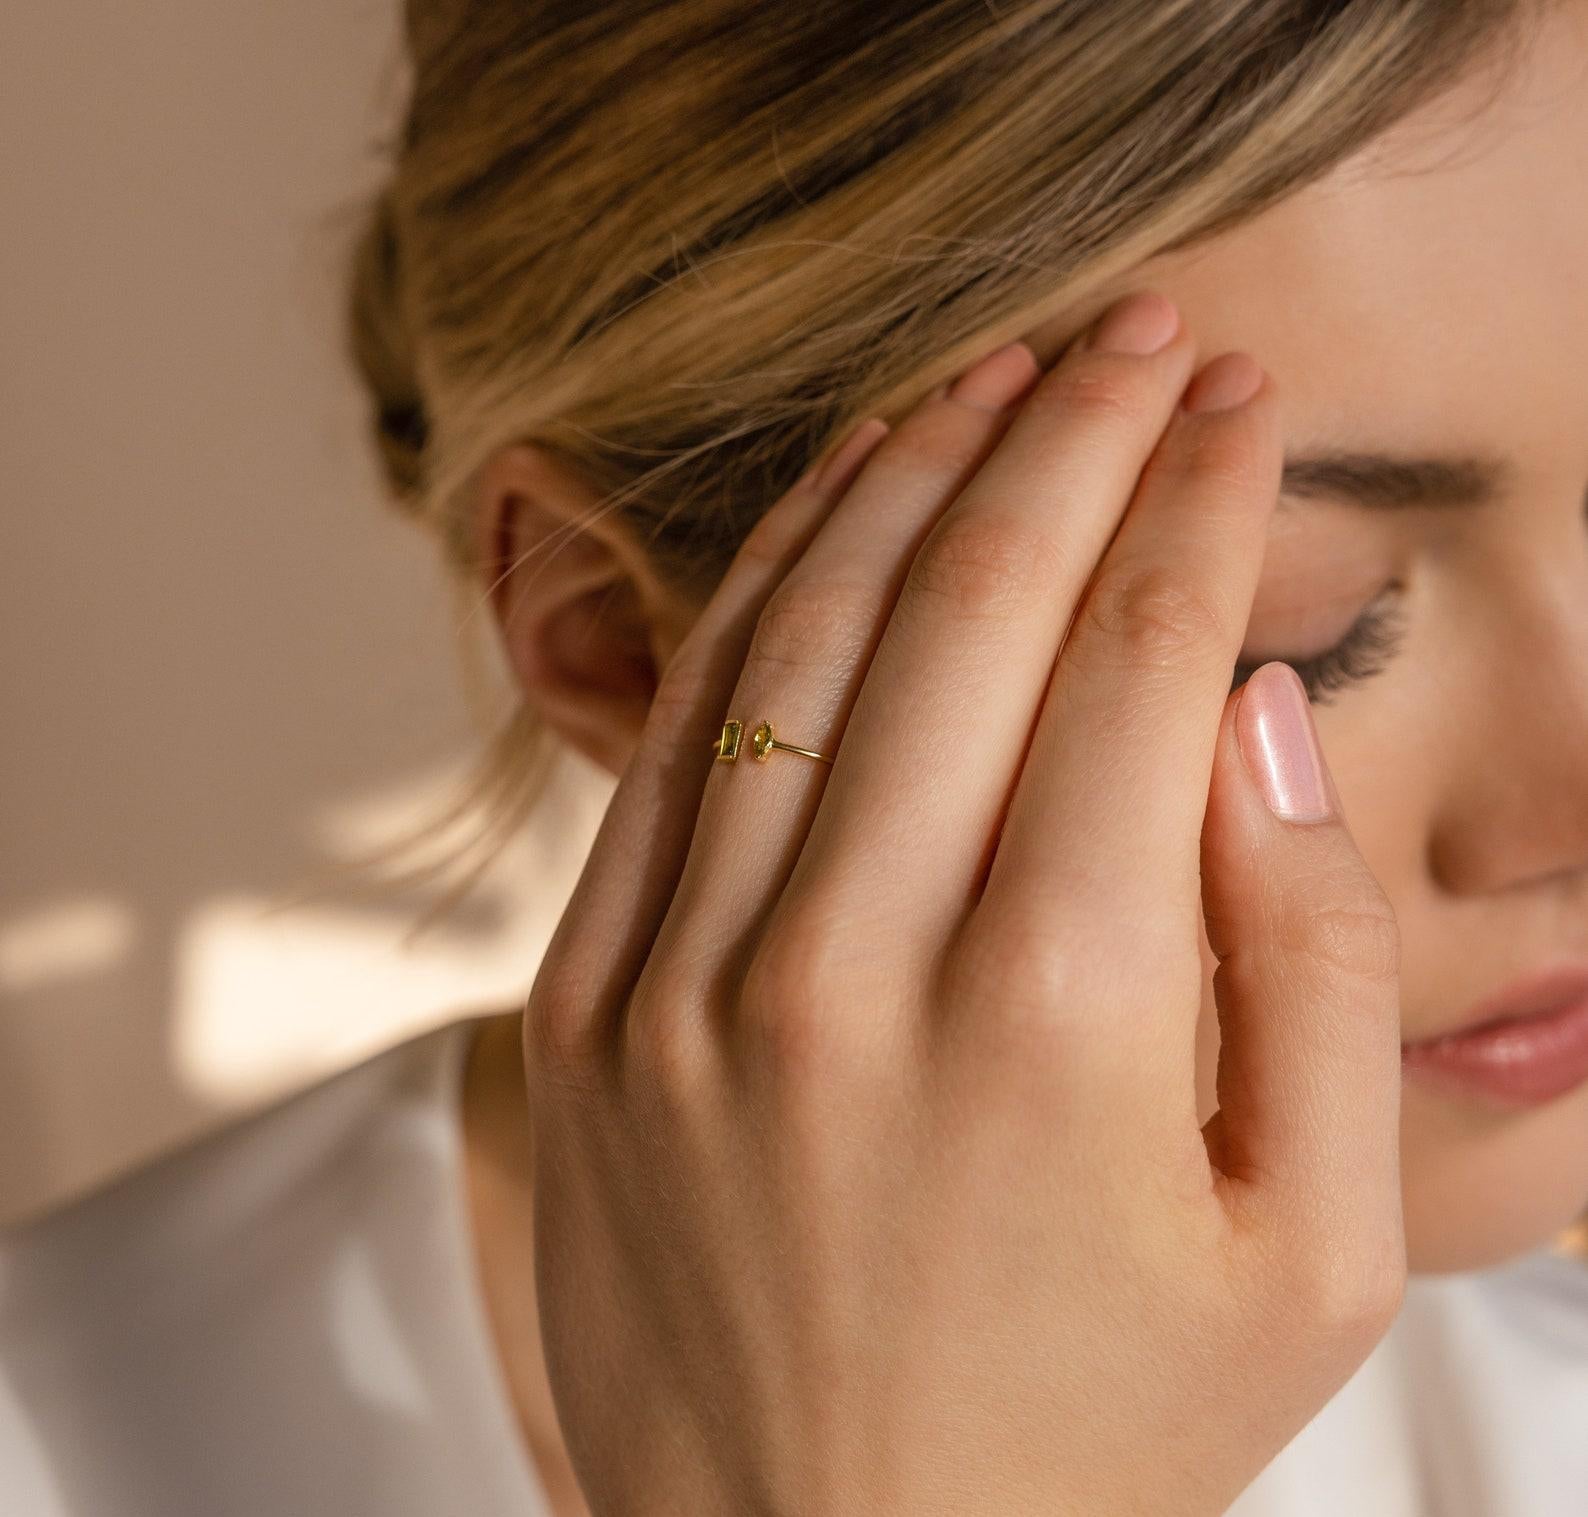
(284, 1321)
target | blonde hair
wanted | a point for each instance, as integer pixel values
(681, 244)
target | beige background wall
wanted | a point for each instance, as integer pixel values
(221, 663)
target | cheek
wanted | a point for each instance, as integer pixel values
(1388, 766)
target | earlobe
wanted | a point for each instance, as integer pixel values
(581, 611)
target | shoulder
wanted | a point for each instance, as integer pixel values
(1477, 1386)
(281, 1317)
(317, 1145)
(1533, 1310)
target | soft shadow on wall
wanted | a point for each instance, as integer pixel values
(223, 661)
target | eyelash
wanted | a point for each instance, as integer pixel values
(1373, 640)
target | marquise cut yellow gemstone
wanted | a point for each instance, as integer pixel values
(763, 740)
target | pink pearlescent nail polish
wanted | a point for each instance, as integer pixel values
(1274, 727)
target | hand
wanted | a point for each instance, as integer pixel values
(868, 1165)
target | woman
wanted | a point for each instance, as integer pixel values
(992, 1061)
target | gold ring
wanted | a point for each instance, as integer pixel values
(762, 740)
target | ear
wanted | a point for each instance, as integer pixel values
(585, 620)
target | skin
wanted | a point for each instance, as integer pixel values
(1430, 301)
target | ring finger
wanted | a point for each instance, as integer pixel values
(813, 642)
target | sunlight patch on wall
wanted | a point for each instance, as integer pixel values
(64, 940)
(270, 996)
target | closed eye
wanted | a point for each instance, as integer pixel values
(1365, 650)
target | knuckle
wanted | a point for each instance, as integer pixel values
(1152, 614)
(791, 1000)
(810, 622)
(563, 1042)
(976, 566)
(1224, 453)
(1349, 1297)
(1016, 976)
(797, 1039)
(1094, 386)
(791, 966)
(988, 958)
(1360, 938)
(665, 1038)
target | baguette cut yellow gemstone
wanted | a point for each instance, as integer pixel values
(763, 741)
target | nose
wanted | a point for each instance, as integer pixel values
(1516, 806)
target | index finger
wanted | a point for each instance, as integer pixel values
(1122, 755)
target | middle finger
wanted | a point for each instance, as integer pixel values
(941, 723)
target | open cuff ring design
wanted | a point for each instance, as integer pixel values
(762, 740)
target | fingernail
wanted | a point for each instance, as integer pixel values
(1274, 727)
(1225, 382)
(1143, 323)
(996, 380)
(845, 463)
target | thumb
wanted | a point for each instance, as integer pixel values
(1308, 985)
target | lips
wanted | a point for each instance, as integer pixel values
(1523, 1046)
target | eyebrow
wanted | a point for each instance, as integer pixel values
(1383, 482)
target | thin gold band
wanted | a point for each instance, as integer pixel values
(762, 740)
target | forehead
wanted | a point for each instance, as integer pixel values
(1434, 286)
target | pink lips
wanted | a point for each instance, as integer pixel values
(1523, 1046)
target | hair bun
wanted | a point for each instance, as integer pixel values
(381, 338)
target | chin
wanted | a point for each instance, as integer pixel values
(1483, 1184)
